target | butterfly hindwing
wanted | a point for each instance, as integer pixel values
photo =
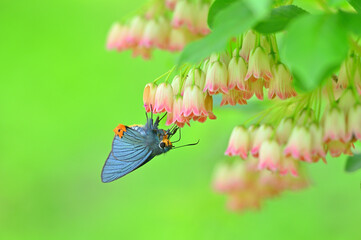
(128, 153)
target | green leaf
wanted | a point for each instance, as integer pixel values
(279, 19)
(356, 4)
(351, 21)
(353, 163)
(215, 8)
(230, 22)
(314, 46)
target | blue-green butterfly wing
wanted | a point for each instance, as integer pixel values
(128, 153)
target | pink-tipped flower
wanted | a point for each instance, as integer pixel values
(162, 40)
(255, 88)
(171, 4)
(183, 15)
(299, 144)
(259, 65)
(336, 148)
(249, 43)
(281, 84)
(178, 39)
(237, 69)
(269, 155)
(176, 116)
(193, 102)
(163, 98)
(144, 52)
(201, 17)
(150, 34)
(239, 143)
(334, 125)
(354, 123)
(289, 166)
(262, 134)
(136, 30)
(223, 57)
(221, 178)
(284, 130)
(195, 76)
(149, 96)
(116, 37)
(216, 78)
(317, 145)
(232, 98)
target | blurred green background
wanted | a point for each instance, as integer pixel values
(61, 95)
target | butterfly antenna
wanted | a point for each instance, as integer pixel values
(165, 114)
(180, 135)
(146, 115)
(191, 144)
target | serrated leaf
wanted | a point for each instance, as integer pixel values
(356, 4)
(314, 46)
(279, 18)
(353, 163)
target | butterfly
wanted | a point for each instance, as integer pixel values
(135, 145)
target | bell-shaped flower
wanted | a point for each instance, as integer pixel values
(201, 25)
(259, 65)
(237, 69)
(195, 76)
(176, 83)
(149, 96)
(354, 123)
(178, 39)
(336, 148)
(346, 101)
(239, 143)
(221, 178)
(183, 15)
(265, 44)
(176, 116)
(163, 98)
(136, 30)
(288, 166)
(299, 144)
(223, 57)
(281, 84)
(232, 98)
(216, 78)
(346, 73)
(249, 43)
(255, 88)
(269, 155)
(262, 134)
(142, 51)
(193, 102)
(317, 145)
(334, 125)
(284, 130)
(116, 37)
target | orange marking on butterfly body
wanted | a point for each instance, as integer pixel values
(119, 130)
(135, 125)
(166, 141)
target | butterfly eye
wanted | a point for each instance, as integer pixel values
(162, 144)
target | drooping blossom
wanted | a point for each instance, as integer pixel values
(136, 30)
(354, 123)
(281, 84)
(262, 134)
(201, 17)
(249, 43)
(346, 73)
(259, 65)
(237, 69)
(176, 116)
(195, 76)
(178, 39)
(149, 96)
(208, 103)
(163, 98)
(336, 148)
(193, 103)
(232, 98)
(299, 144)
(216, 78)
(116, 37)
(288, 166)
(183, 15)
(255, 88)
(176, 83)
(239, 143)
(283, 130)
(334, 125)
(269, 155)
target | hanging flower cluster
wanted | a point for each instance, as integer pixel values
(167, 25)
(252, 66)
(305, 132)
(246, 186)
